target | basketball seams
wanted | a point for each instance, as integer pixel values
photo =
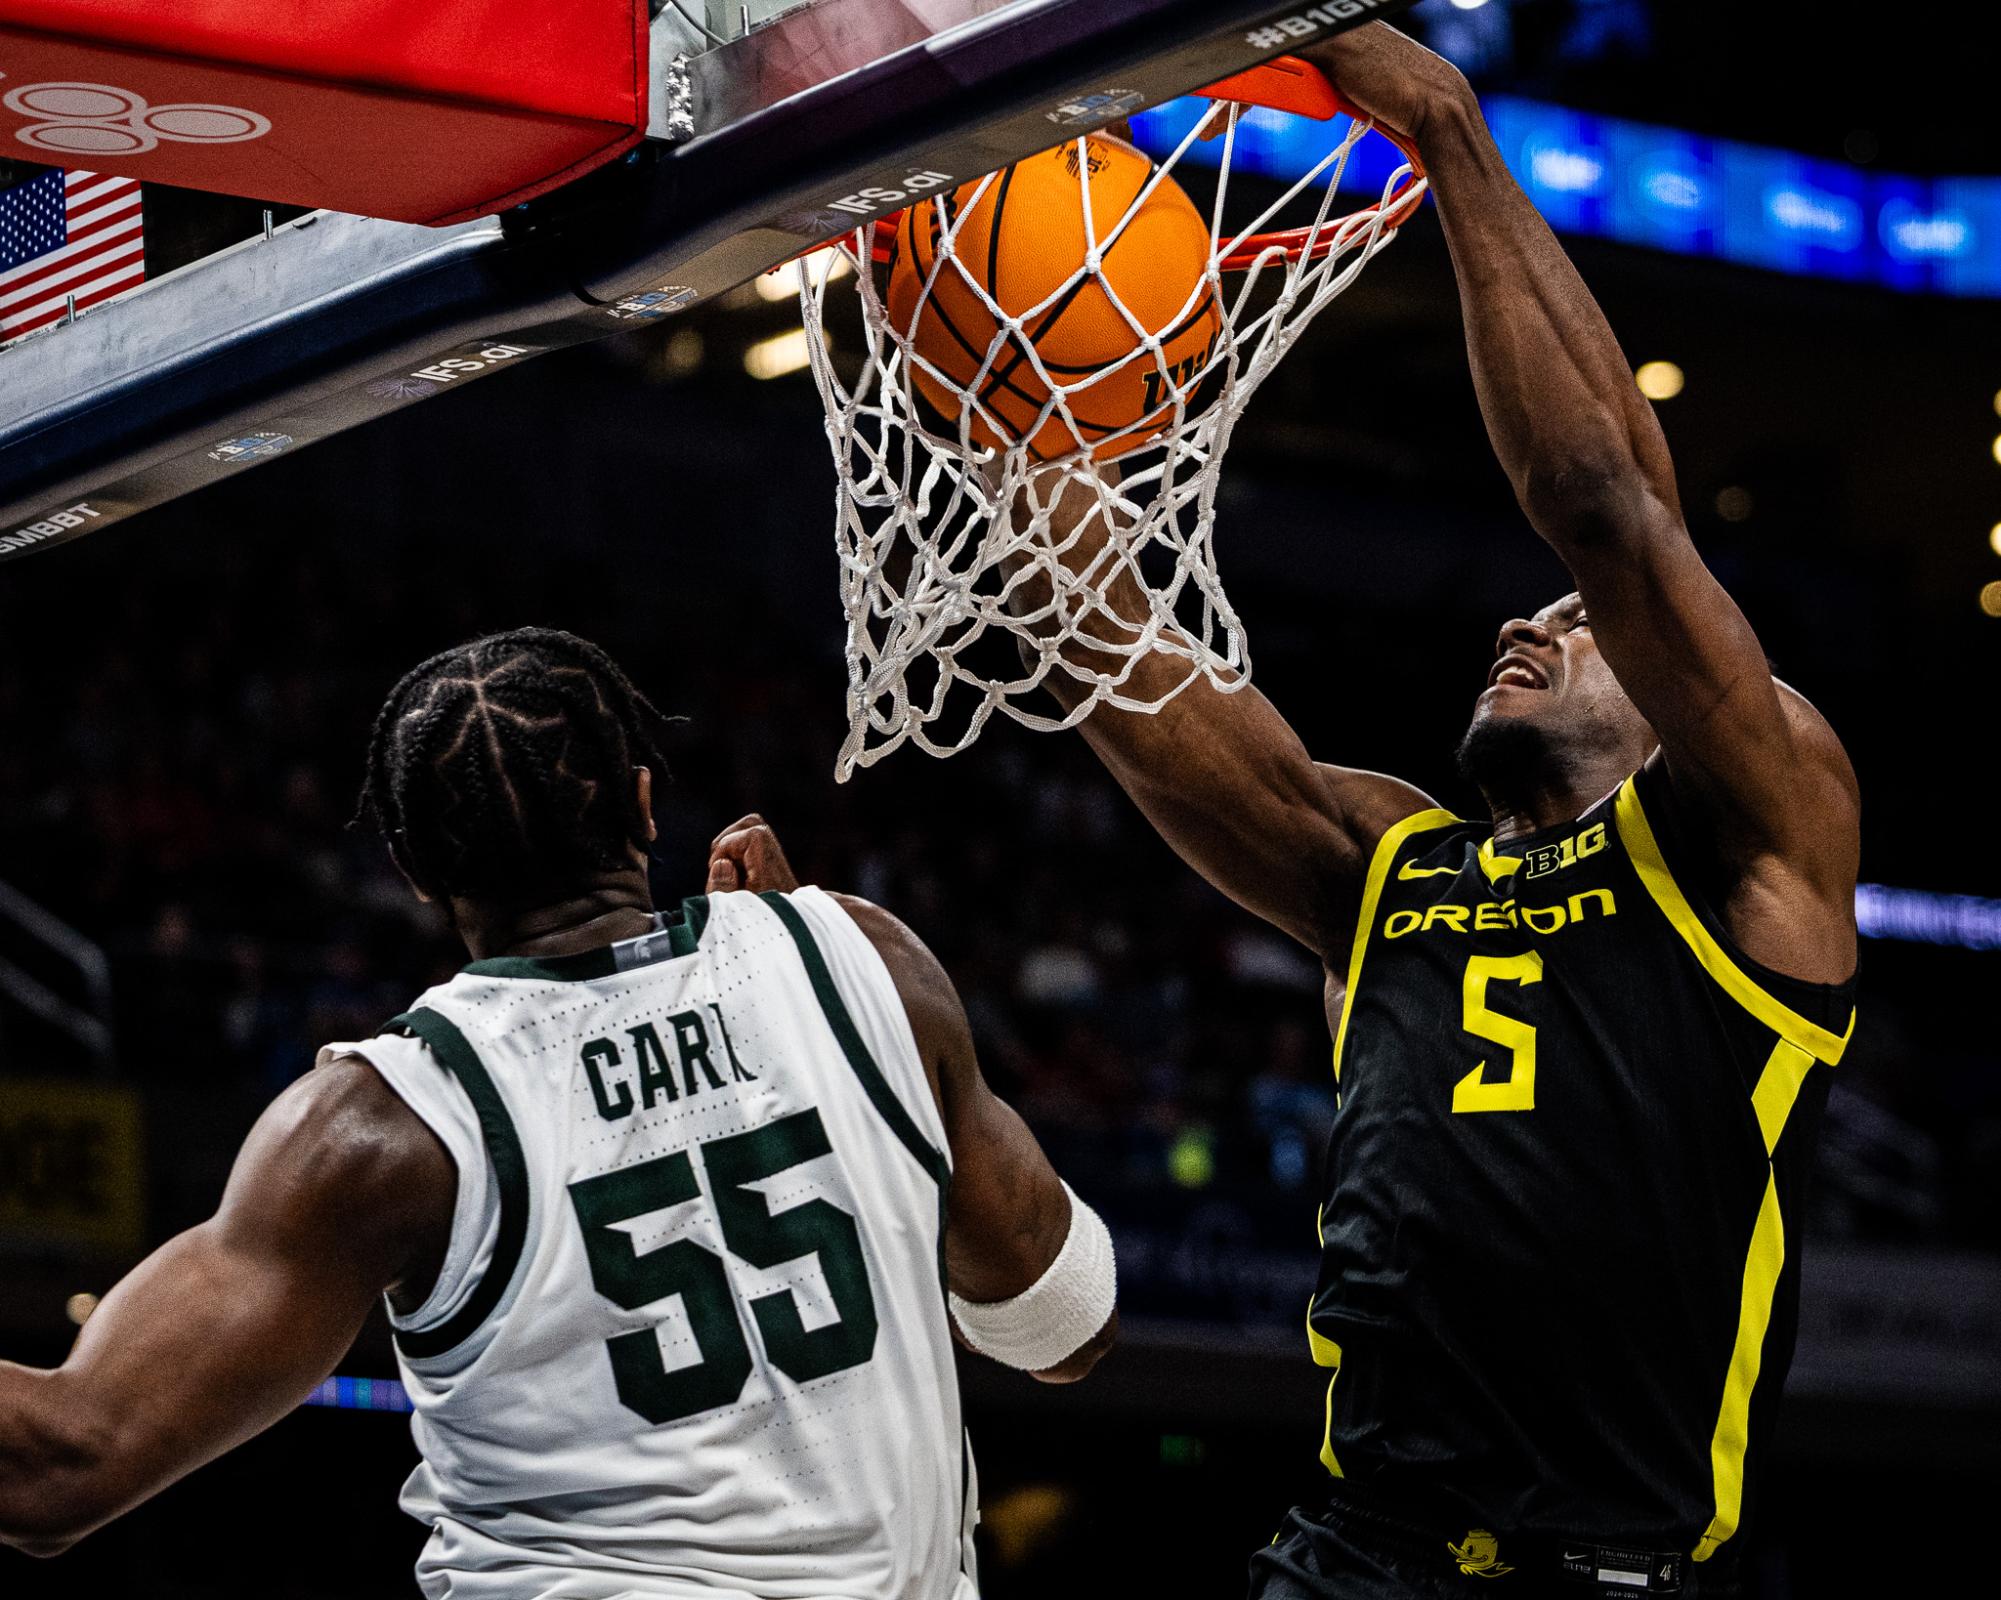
(1208, 310)
(994, 215)
(1003, 379)
(935, 305)
(1084, 281)
(1021, 383)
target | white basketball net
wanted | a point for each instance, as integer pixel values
(944, 539)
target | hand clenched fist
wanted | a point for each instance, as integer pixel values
(747, 855)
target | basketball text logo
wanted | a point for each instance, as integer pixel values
(1076, 155)
(1176, 381)
(99, 121)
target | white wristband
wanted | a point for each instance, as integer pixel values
(1047, 1323)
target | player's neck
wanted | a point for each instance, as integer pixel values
(1560, 796)
(614, 906)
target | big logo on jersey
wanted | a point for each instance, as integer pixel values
(100, 120)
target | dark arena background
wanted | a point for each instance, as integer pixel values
(185, 914)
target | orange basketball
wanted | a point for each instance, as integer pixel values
(1024, 239)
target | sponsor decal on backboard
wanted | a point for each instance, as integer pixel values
(259, 446)
(654, 303)
(872, 200)
(450, 369)
(1095, 110)
(56, 525)
(1306, 24)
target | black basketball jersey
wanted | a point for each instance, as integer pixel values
(1565, 1182)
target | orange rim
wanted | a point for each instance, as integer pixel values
(1301, 89)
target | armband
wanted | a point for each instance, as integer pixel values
(1057, 1315)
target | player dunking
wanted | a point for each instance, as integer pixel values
(661, 1202)
(1582, 1048)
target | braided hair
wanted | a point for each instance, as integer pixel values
(502, 769)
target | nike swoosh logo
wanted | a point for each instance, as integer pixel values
(1407, 872)
(1577, 1555)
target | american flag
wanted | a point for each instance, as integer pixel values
(64, 234)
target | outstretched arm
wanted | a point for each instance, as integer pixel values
(1008, 1215)
(338, 1193)
(1223, 778)
(1591, 469)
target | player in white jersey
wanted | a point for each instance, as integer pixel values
(675, 1213)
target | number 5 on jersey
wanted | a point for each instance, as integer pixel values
(754, 1233)
(1515, 1092)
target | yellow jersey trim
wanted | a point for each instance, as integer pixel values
(1774, 1013)
(1785, 1070)
(1778, 1087)
(1326, 1353)
(1372, 895)
(1495, 865)
(1762, 1266)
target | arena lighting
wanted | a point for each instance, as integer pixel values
(1994, 538)
(1921, 917)
(1467, 5)
(361, 1394)
(1734, 503)
(777, 357)
(1660, 380)
(1681, 191)
(1997, 447)
(783, 282)
(78, 1307)
(1990, 598)
(1997, 402)
(681, 355)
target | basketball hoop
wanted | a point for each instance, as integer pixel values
(948, 526)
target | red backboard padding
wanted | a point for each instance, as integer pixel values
(419, 110)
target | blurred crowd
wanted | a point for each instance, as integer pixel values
(183, 753)
(181, 791)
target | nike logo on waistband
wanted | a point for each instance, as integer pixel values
(1407, 872)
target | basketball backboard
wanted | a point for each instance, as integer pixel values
(773, 129)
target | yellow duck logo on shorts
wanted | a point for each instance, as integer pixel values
(1479, 1555)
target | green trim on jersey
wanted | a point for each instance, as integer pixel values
(865, 1067)
(854, 1047)
(684, 937)
(510, 1170)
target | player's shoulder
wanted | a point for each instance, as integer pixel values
(874, 920)
(919, 977)
(344, 1129)
(909, 959)
(1376, 808)
(1815, 740)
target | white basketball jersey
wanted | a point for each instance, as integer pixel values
(690, 1337)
